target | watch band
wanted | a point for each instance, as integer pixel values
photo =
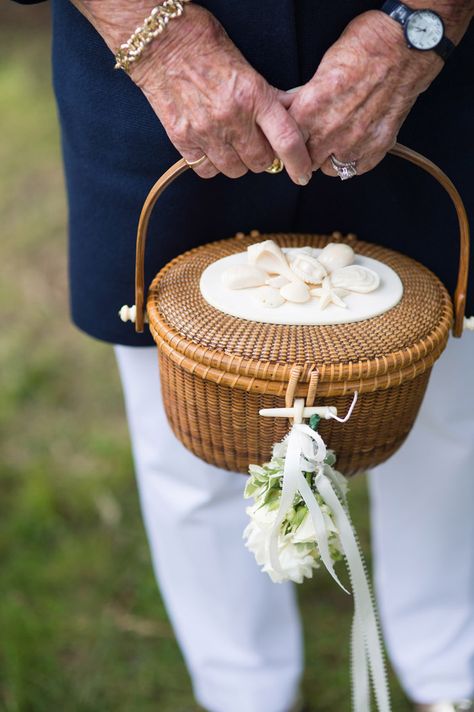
(397, 10)
(444, 47)
(400, 12)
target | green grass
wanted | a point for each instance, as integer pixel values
(82, 627)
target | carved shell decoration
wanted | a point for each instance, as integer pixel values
(336, 255)
(356, 279)
(295, 292)
(294, 277)
(243, 277)
(277, 282)
(270, 297)
(269, 257)
(308, 269)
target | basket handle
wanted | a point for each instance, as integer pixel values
(408, 154)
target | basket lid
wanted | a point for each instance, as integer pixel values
(369, 355)
(378, 352)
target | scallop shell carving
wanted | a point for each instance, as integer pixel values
(308, 268)
(336, 255)
(356, 279)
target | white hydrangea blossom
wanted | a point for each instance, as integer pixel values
(298, 553)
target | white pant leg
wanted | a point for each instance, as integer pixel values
(239, 633)
(423, 537)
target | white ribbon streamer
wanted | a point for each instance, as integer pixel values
(306, 451)
(366, 642)
(301, 444)
(359, 668)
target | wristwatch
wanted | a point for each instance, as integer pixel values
(424, 29)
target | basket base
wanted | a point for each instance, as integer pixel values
(221, 425)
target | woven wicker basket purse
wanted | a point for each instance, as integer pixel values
(218, 371)
(221, 373)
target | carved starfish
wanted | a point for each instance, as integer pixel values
(329, 294)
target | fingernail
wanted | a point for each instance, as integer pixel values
(304, 180)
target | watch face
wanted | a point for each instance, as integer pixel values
(424, 29)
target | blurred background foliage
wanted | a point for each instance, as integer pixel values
(82, 627)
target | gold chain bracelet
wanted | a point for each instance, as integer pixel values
(132, 50)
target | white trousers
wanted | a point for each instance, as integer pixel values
(240, 633)
(422, 503)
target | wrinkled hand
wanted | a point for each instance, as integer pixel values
(361, 93)
(211, 101)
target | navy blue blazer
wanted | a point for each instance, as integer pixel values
(115, 148)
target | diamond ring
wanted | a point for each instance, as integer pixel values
(344, 170)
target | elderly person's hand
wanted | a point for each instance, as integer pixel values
(362, 91)
(211, 101)
(207, 96)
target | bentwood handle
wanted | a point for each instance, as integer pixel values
(459, 299)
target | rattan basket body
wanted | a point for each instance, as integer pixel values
(218, 371)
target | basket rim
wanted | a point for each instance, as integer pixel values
(262, 376)
(327, 386)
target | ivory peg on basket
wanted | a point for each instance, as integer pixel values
(127, 313)
(326, 412)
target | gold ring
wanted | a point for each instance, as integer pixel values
(193, 164)
(276, 167)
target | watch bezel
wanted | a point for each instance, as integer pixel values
(422, 11)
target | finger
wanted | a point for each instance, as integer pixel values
(327, 169)
(368, 162)
(286, 98)
(382, 139)
(287, 142)
(226, 160)
(366, 153)
(206, 169)
(363, 165)
(321, 149)
(255, 152)
(364, 146)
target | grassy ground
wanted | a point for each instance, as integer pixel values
(82, 625)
